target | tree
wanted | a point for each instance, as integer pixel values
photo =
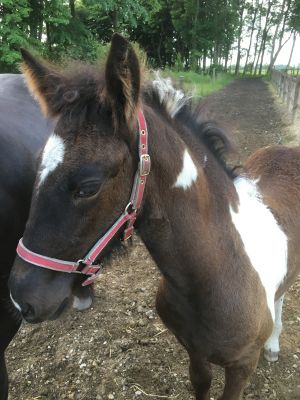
(292, 50)
(13, 32)
(280, 21)
(294, 20)
(241, 10)
(252, 14)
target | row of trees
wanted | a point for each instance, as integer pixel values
(267, 25)
(176, 33)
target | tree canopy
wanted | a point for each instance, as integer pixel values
(188, 34)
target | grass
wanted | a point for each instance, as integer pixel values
(199, 85)
(295, 72)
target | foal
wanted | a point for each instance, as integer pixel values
(227, 246)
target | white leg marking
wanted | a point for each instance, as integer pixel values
(53, 155)
(272, 344)
(264, 241)
(15, 303)
(188, 174)
(82, 304)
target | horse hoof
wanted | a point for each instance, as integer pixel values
(271, 356)
(82, 304)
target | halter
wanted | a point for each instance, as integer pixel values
(86, 265)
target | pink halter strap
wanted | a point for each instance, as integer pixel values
(86, 265)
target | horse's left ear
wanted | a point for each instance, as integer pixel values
(122, 76)
(44, 82)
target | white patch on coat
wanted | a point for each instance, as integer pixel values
(264, 240)
(188, 174)
(15, 303)
(272, 344)
(82, 304)
(52, 156)
(173, 99)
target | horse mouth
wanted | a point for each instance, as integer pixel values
(63, 306)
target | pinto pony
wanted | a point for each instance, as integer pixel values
(227, 245)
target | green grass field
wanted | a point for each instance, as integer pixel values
(199, 85)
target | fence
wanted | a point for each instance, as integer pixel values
(288, 88)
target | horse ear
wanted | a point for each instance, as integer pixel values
(42, 81)
(122, 75)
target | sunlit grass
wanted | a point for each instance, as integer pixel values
(294, 71)
(199, 85)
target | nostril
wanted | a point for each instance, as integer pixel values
(27, 310)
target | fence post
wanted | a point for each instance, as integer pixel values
(214, 75)
(296, 98)
(181, 80)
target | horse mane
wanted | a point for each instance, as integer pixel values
(181, 108)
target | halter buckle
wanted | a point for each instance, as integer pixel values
(89, 280)
(145, 164)
(128, 233)
(82, 266)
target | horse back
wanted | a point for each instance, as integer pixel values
(277, 172)
(23, 131)
(21, 120)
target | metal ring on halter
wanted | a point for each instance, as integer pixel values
(130, 204)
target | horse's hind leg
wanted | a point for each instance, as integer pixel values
(237, 377)
(201, 376)
(271, 346)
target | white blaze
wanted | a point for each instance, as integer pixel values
(188, 174)
(264, 240)
(53, 155)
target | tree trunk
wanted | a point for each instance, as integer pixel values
(159, 49)
(264, 36)
(115, 20)
(251, 37)
(241, 5)
(204, 61)
(226, 61)
(276, 32)
(72, 8)
(215, 56)
(35, 18)
(280, 45)
(292, 51)
(48, 33)
(194, 43)
(256, 54)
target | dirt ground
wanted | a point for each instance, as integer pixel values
(119, 349)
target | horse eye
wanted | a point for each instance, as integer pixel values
(87, 189)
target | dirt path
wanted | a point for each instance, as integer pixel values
(247, 109)
(120, 349)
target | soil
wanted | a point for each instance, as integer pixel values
(119, 349)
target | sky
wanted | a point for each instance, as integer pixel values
(283, 56)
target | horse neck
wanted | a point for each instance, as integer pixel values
(185, 216)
